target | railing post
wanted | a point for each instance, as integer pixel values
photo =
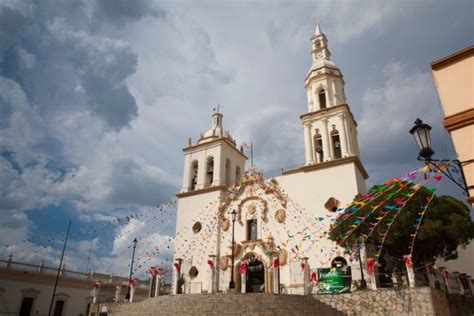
(157, 285)
(306, 276)
(9, 262)
(132, 293)
(40, 267)
(118, 290)
(212, 274)
(410, 272)
(96, 290)
(243, 281)
(276, 274)
(445, 274)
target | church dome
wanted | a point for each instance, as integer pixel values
(216, 131)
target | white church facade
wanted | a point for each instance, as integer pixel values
(280, 223)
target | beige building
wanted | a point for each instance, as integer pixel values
(26, 289)
(454, 79)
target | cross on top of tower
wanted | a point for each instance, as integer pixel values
(217, 109)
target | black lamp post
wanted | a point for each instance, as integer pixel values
(232, 283)
(127, 296)
(451, 168)
(363, 283)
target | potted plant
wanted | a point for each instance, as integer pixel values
(181, 282)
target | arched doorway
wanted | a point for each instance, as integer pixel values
(255, 276)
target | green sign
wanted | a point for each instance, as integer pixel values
(334, 280)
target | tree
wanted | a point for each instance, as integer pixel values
(446, 225)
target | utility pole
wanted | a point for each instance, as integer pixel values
(59, 269)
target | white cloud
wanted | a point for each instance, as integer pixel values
(96, 218)
(27, 60)
(86, 245)
(14, 226)
(355, 18)
(389, 111)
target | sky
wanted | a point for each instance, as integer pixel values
(98, 98)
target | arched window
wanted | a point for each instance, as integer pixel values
(58, 308)
(193, 176)
(252, 229)
(237, 173)
(322, 99)
(336, 144)
(28, 301)
(318, 147)
(26, 306)
(227, 172)
(209, 171)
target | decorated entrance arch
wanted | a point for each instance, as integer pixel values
(253, 274)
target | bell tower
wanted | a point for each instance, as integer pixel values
(214, 161)
(210, 166)
(330, 130)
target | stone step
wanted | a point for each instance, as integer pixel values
(225, 303)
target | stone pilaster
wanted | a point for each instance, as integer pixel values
(308, 144)
(327, 153)
(343, 136)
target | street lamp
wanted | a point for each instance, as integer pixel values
(127, 296)
(451, 168)
(421, 133)
(232, 283)
(363, 284)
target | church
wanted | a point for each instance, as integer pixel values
(236, 229)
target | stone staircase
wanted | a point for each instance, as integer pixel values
(225, 303)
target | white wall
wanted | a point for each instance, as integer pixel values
(312, 189)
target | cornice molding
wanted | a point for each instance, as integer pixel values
(201, 191)
(48, 279)
(312, 74)
(459, 120)
(328, 164)
(214, 142)
(327, 111)
(454, 57)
